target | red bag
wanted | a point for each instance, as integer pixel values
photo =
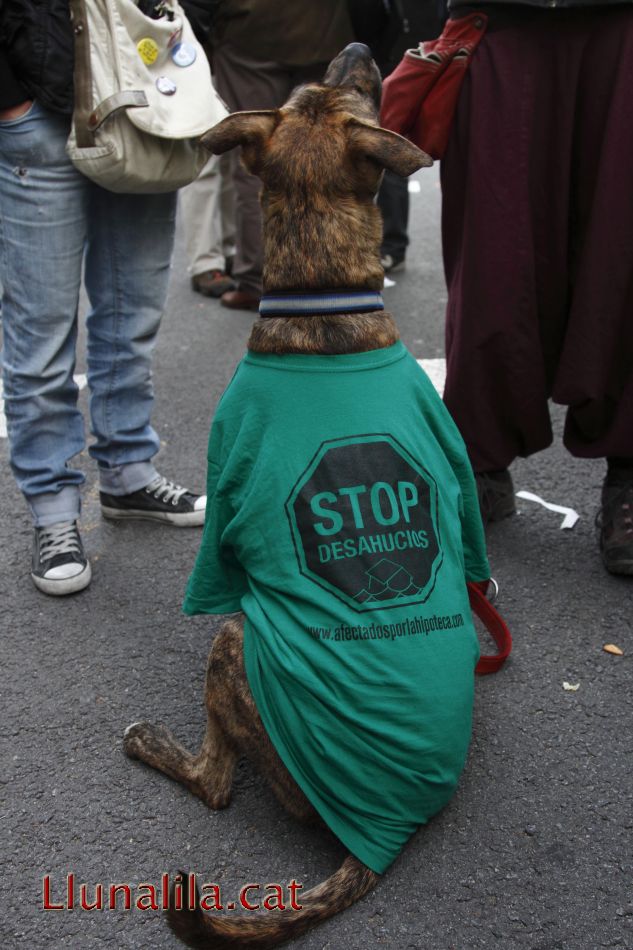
(420, 95)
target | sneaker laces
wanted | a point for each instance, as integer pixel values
(164, 490)
(620, 499)
(60, 538)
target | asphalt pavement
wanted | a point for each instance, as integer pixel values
(533, 853)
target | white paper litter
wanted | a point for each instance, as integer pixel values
(571, 687)
(389, 282)
(571, 516)
(414, 187)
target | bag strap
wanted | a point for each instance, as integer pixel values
(126, 99)
(82, 75)
(494, 624)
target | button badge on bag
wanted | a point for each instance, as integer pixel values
(184, 54)
(147, 50)
(165, 85)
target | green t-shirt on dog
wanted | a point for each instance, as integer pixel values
(342, 519)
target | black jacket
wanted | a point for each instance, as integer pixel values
(36, 50)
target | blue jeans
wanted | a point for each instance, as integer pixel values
(53, 220)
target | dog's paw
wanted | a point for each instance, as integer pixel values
(142, 737)
(217, 800)
(132, 739)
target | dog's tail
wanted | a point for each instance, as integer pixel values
(202, 931)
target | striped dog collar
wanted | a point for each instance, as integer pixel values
(298, 304)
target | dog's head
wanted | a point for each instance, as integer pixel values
(325, 141)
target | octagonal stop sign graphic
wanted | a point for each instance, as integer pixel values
(364, 521)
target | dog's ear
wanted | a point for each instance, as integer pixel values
(387, 149)
(251, 130)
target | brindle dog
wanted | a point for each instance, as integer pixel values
(321, 159)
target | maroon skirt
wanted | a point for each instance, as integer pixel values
(538, 236)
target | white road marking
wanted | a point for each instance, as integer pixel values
(436, 371)
(80, 379)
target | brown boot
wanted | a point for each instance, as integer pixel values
(615, 520)
(496, 495)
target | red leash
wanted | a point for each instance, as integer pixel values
(494, 624)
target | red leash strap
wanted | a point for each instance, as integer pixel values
(494, 624)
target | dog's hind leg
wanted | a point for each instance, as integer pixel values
(229, 698)
(233, 728)
(209, 774)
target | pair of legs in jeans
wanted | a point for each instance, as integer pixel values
(53, 223)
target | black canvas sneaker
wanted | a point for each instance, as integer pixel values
(161, 500)
(59, 565)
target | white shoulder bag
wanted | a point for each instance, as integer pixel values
(143, 96)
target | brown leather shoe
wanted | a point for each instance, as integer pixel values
(212, 283)
(240, 300)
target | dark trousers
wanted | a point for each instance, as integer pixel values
(538, 236)
(246, 83)
(393, 201)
